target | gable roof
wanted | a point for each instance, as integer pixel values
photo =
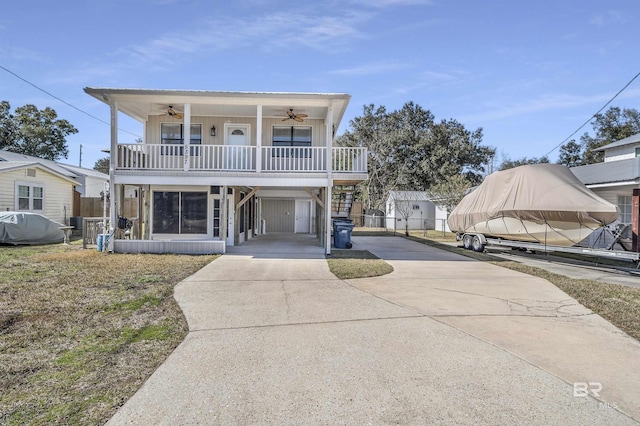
(622, 142)
(67, 170)
(408, 196)
(7, 166)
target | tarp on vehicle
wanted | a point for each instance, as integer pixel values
(28, 228)
(537, 193)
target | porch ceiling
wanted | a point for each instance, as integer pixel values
(140, 103)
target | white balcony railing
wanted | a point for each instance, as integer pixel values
(239, 158)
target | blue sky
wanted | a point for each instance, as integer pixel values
(528, 73)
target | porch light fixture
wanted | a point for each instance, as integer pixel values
(213, 130)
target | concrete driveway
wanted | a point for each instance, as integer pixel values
(275, 338)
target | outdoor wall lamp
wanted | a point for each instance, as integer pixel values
(213, 130)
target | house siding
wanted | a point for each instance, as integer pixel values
(58, 193)
(153, 127)
(621, 153)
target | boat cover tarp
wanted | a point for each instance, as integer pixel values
(538, 193)
(28, 228)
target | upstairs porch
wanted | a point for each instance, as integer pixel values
(230, 158)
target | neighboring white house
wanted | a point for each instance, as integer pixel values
(59, 202)
(416, 209)
(30, 186)
(217, 168)
(616, 178)
(92, 181)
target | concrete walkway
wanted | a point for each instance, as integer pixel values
(275, 338)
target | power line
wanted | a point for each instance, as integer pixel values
(590, 118)
(65, 102)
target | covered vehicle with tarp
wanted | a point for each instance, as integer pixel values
(542, 203)
(28, 228)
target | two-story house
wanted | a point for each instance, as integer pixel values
(617, 180)
(217, 168)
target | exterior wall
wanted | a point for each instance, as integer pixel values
(153, 126)
(424, 216)
(58, 193)
(92, 186)
(621, 153)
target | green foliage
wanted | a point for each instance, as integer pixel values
(34, 132)
(450, 191)
(615, 124)
(409, 150)
(570, 154)
(507, 163)
(102, 165)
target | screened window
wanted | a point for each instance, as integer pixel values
(292, 141)
(30, 198)
(179, 212)
(173, 134)
(625, 204)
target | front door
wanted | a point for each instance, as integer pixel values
(303, 217)
(237, 141)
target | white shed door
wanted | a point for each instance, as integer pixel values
(303, 216)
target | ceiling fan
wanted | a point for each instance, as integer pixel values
(173, 113)
(296, 117)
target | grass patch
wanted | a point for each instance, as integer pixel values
(80, 330)
(349, 264)
(620, 305)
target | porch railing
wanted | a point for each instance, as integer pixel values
(239, 158)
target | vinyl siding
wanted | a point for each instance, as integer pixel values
(153, 126)
(58, 193)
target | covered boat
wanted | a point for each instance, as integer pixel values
(542, 203)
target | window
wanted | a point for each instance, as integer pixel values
(29, 197)
(293, 140)
(637, 152)
(173, 134)
(625, 204)
(179, 212)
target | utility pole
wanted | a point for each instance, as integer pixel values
(80, 165)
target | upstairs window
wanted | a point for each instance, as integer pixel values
(292, 141)
(173, 134)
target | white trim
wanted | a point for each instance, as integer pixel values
(31, 185)
(609, 185)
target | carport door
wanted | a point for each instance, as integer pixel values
(303, 216)
(279, 215)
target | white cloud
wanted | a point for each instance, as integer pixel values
(368, 69)
(611, 17)
(500, 109)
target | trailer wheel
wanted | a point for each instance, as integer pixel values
(477, 245)
(466, 241)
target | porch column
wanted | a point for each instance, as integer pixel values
(187, 136)
(224, 208)
(113, 106)
(259, 139)
(327, 203)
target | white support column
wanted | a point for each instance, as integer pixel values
(328, 206)
(186, 132)
(259, 139)
(112, 165)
